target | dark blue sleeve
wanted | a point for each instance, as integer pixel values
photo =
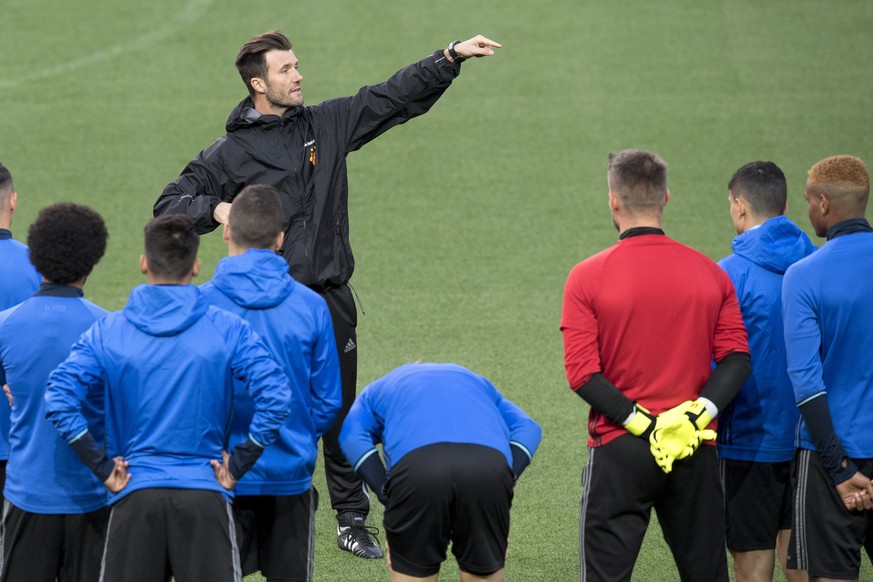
(817, 417)
(93, 456)
(372, 471)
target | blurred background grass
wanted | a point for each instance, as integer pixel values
(466, 221)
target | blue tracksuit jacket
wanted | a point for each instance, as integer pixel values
(827, 306)
(423, 404)
(18, 281)
(44, 475)
(18, 278)
(760, 423)
(166, 364)
(295, 324)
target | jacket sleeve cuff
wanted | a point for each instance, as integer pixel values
(819, 422)
(94, 457)
(521, 458)
(244, 457)
(372, 471)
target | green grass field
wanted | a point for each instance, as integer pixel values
(466, 221)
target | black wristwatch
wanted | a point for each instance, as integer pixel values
(452, 53)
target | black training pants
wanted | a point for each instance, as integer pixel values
(345, 488)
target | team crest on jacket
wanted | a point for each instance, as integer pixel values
(312, 155)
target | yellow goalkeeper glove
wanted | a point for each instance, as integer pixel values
(645, 426)
(679, 431)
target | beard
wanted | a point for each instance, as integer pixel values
(283, 99)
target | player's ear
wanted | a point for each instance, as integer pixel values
(258, 85)
(195, 268)
(225, 233)
(741, 206)
(143, 265)
(613, 201)
(277, 244)
(13, 201)
(667, 196)
(824, 204)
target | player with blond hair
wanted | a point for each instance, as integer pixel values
(827, 305)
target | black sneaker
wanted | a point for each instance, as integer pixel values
(355, 537)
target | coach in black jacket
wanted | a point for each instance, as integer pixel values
(272, 139)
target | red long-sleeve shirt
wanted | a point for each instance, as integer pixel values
(650, 314)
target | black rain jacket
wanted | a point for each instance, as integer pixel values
(303, 154)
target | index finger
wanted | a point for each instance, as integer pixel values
(488, 42)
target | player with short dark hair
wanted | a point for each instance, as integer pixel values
(827, 307)
(756, 430)
(454, 447)
(275, 502)
(55, 515)
(166, 366)
(763, 187)
(272, 138)
(642, 322)
(18, 278)
(18, 281)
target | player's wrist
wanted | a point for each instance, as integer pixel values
(452, 53)
(640, 422)
(701, 412)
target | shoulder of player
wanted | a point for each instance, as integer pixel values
(594, 263)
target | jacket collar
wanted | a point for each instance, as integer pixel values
(638, 231)
(850, 226)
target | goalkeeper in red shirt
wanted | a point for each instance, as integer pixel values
(642, 322)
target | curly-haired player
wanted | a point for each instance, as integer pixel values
(55, 515)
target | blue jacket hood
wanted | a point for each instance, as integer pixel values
(256, 279)
(775, 245)
(162, 310)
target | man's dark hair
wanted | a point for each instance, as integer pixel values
(6, 186)
(251, 61)
(256, 217)
(639, 178)
(65, 242)
(171, 245)
(763, 186)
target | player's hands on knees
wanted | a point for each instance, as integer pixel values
(478, 46)
(222, 471)
(119, 478)
(856, 493)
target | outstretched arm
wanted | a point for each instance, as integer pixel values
(407, 94)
